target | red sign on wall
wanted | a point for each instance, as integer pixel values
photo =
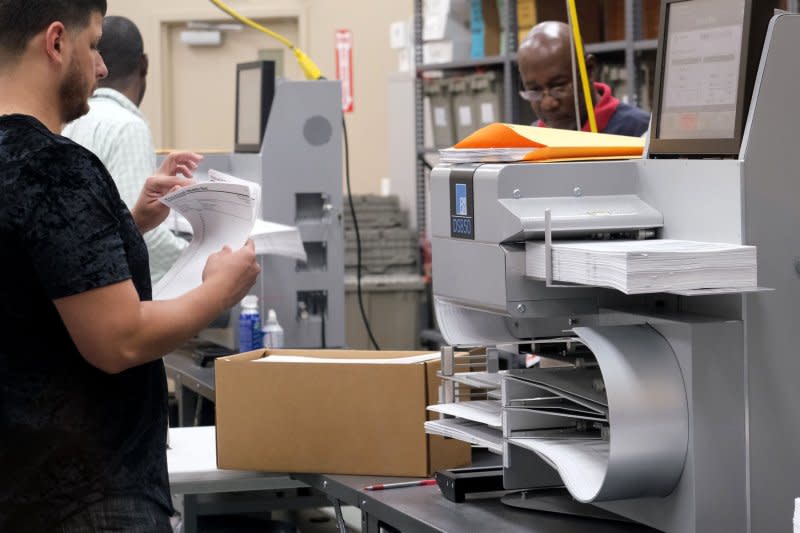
(344, 67)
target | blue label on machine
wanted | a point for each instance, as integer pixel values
(461, 199)
(462, 208)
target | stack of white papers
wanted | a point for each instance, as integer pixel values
(479, 380)
(582, 463)
(274, 357)
(646, 266)
(477, 422)
(488, 412)
(467, 431)
(221, 212)
(483, 155)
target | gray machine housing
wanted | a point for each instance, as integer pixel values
(736, 353)
(299, 168)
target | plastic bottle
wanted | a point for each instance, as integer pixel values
(796, 515)
(273, 332)
(250, 325)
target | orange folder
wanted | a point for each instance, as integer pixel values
(550, 144)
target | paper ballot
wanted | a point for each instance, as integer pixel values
(221, 212)
(488, 412)
(276, 357)
(581, 463)
(646, 266)
(467, 431)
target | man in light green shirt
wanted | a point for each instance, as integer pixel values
(116, 131)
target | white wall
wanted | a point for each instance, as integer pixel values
(313, 23)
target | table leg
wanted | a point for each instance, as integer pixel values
(369, 523)
(187, 405)
(189, 517)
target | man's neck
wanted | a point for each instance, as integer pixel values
(21, 95)
(130, 90)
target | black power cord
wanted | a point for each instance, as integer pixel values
(425, 162)
(358, 237)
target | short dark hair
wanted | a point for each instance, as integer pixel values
(21, 20)
(121, 47)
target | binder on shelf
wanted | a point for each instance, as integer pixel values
(485, 28)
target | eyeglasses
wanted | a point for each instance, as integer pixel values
(558, 92)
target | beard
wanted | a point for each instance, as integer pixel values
(74, 94)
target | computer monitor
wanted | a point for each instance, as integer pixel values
(708, 57)
(255, 89)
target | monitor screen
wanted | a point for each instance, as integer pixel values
(701, 69)
(708, 57)
(255, 89)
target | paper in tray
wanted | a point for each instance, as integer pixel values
(579, 382)
(467, 431)
(487, 412)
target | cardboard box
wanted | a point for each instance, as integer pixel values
(333, 418)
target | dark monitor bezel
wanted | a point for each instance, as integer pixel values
(754, 30)
(267, 69)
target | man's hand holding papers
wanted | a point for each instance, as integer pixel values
(220, 265)
(222, 212)
(175, 172)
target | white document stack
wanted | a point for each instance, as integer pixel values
(222, 211)
(477, 422)
(646, 266)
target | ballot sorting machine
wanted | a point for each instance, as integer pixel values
(678, 411)
(289, 141)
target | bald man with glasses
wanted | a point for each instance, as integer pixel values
(545, 68)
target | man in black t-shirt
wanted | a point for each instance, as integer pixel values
(82, 386)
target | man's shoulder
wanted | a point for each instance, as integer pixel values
(25, 140)
(104, 112)
(40, 164)
(628, 120)
(632, 110)
(20, 135)
(106, 126)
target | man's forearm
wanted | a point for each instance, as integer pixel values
(125, 332)
(167, 324)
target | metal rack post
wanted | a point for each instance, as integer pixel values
(510, 103)
(632, 29)
(419, 117)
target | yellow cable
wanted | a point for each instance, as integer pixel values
(576, 32)
(310, 69)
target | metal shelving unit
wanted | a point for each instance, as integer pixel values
(490, 61)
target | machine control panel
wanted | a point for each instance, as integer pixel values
(462, 205)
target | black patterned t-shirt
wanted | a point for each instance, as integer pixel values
(70, 434)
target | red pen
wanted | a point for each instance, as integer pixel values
(384, 486)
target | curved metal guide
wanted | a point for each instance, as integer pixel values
(646, 450)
